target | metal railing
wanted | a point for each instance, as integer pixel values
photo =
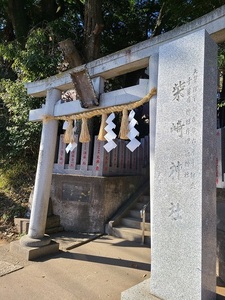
(143, 214)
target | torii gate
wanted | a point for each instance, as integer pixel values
(142, 55)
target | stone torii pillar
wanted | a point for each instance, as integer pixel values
(153, 81)
(36, 235)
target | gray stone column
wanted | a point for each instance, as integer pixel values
(183, 224)
(36, 234)
(153, 80)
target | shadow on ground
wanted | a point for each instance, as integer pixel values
(99, 260)
(125, 243)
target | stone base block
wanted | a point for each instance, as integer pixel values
(52, 221)
(142, 291)
(22, 225)
(31, 253)
(52, 225)
(139, 291)
(54, 230)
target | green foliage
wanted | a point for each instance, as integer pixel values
(23, 171)
(10, 207)
(40, 57)
(16, 182)
(176, 13)
(125, 23)
(221, 57)
(20, 139)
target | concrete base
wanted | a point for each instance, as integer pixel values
(27, 241)
(31, 253)
(139, 291)
(85, 202)
(142, 291)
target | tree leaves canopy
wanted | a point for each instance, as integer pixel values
(30, 32)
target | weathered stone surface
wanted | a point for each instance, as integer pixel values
(43, 177)
(184, 203)
(27, 241)
(85, 204)
(52, 224)
(22, 225)
(31, 253)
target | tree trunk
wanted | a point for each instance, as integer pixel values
(18, 17)
(93, 26)
(72, 57)
(51, 9)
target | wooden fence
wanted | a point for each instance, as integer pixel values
(93, 160)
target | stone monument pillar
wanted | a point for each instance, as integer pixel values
(183, 264)
(153, 79)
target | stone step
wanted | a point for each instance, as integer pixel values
(134, 223)
(134, 213)
(130, 226)
(131, 234)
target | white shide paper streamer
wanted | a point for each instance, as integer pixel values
(133, 132)
(110, 135)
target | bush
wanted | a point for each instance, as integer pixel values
(20, 137)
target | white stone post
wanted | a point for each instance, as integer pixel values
(36, 234)
(153, 80)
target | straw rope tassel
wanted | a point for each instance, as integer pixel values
(69, 132)
(102, 131)
(124, 125)
(84, 133)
